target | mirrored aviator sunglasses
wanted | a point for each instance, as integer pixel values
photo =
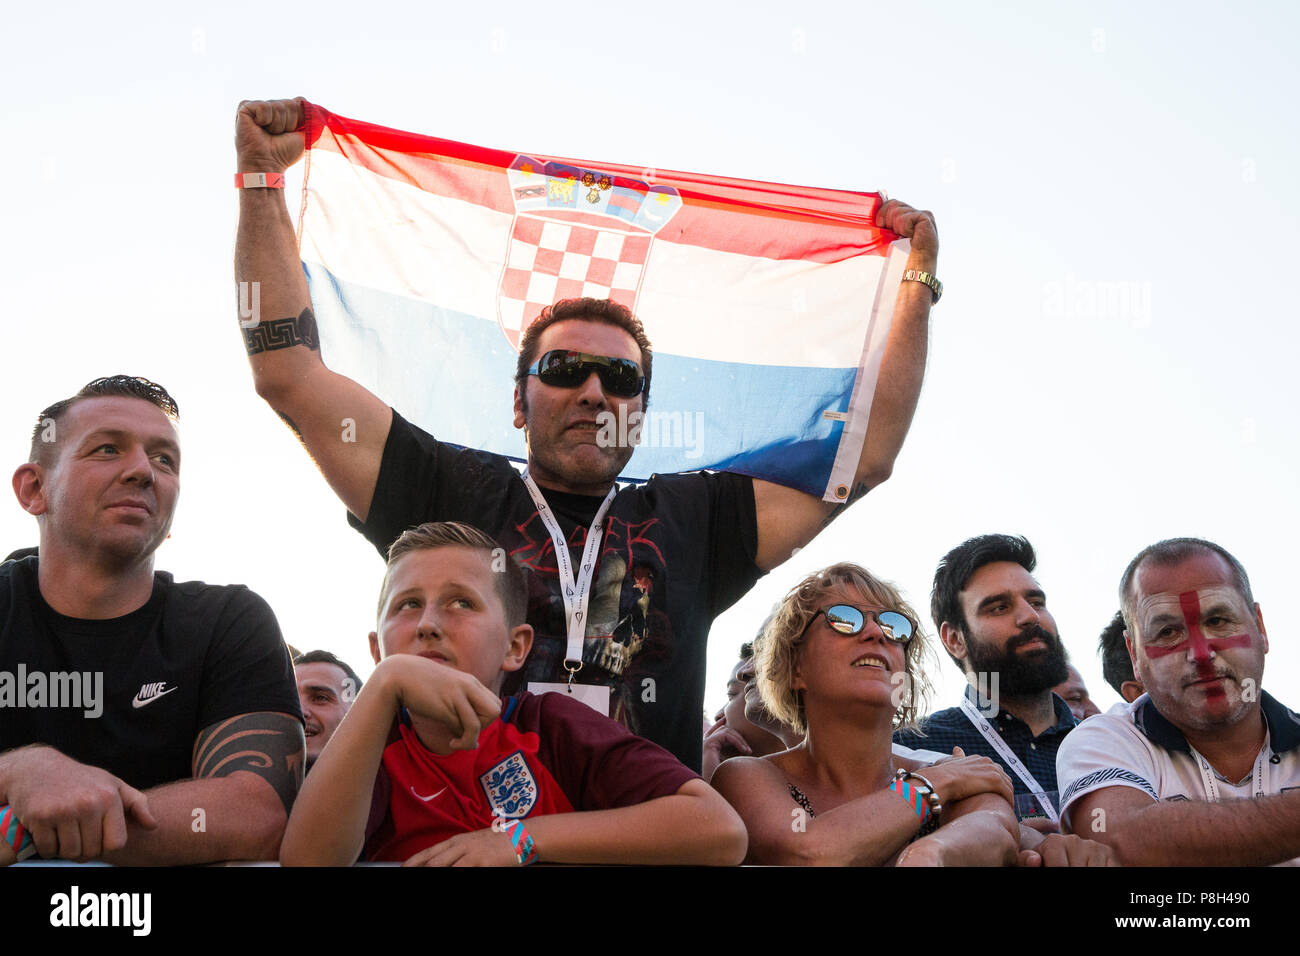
(849, 620)
(564, 369)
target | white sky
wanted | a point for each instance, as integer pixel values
(1105, 149)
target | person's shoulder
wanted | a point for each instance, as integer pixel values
(697, 493)
(20, 562)
(214, 601)
(1283, 721)
(696, 479)
(565, 724)
(547, 714)
(1111, 750)
(197, 590)
(1103, 730)
(751, 768)
(19, 566)
(404, 433)
(1119, 717)
(17, 574)
(946, 719)
(1065, 719)
(916, 757)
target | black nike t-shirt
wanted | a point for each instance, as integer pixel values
(131, 694)
(676, 552)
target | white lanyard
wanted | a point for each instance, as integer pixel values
(1207, 772)
(576, 592)
(994, 738)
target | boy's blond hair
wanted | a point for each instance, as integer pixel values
(509, 577)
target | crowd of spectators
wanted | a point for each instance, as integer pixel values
(520, 622)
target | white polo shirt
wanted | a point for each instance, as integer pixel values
(1135, 746)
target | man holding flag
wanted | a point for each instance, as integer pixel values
(632, 577)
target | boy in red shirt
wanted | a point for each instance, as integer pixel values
(431, 767)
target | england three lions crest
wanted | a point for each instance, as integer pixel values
(510, 787)
(576, 233)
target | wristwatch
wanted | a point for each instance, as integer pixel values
(916, 275)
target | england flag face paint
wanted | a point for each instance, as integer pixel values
(1200, 647)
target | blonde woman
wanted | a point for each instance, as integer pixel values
(841, 661)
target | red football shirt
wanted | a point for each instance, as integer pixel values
(545, 754)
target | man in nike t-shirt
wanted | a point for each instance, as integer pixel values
(142, 720)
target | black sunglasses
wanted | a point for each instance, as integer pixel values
(849, 620)
(564, 369)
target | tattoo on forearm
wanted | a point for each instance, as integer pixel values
(859, 492)
(283, 334)
(265, 743)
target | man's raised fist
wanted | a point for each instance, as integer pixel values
(266, 140)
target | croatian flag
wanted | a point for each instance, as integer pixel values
(767, 306)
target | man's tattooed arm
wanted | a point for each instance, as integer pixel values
(285, 333)
(265, 743)
(222, 813)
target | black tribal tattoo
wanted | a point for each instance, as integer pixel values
(265, 743)
(283, 334)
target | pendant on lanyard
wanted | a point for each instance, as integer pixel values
(574, 589)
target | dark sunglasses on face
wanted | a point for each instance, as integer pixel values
(564, 369)
(849, 620)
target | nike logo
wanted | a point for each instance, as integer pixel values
(151, 692)
(427, 799)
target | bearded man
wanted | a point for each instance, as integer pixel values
(994, 623)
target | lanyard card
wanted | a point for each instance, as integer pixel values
(595, 696)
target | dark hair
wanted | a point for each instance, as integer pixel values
(1167, 553)
(746, 650)
(510, 584)
(959, 565)
(1116, 665)
(606, 311)
(112, 386)
(325, 657)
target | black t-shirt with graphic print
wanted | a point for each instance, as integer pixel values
(676, 552)
(193, 655)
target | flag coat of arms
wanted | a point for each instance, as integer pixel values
(767, 306)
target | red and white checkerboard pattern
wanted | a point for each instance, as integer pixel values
(550, 260)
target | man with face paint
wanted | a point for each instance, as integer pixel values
(1203, 769)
